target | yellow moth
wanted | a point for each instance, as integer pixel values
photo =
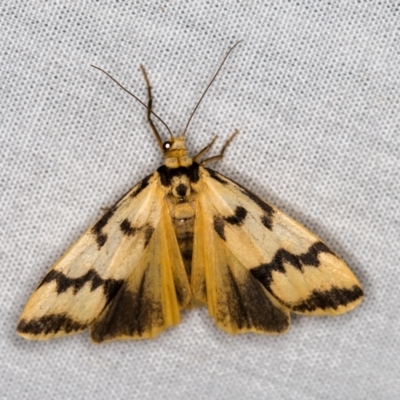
(185, 236)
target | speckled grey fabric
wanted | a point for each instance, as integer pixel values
(314, 90)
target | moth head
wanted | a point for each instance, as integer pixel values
(174, 144)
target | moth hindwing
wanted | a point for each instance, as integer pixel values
(183, 236)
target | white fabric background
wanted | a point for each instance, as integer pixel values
(315, 91)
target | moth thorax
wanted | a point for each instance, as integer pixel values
(180, 187)
(178, 160)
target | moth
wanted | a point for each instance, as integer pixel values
(186, 236)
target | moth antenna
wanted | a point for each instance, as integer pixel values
(135, 97)
(208, 86)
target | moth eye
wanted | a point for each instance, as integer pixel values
(167, 145)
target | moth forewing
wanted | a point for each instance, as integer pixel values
(151, 297)
(292, 264)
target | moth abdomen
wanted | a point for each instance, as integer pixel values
(183, 216)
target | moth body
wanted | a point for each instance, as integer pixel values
(188, 235)
(181, 197)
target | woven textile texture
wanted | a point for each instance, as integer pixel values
(314, 90)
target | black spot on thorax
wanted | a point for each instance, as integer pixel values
(181, 189)
(166, 174)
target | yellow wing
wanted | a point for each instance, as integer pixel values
(252, 263)
(123, 278)
(236, 300)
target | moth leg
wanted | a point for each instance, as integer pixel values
(150, 108)
(221, 155)
(205, 150)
